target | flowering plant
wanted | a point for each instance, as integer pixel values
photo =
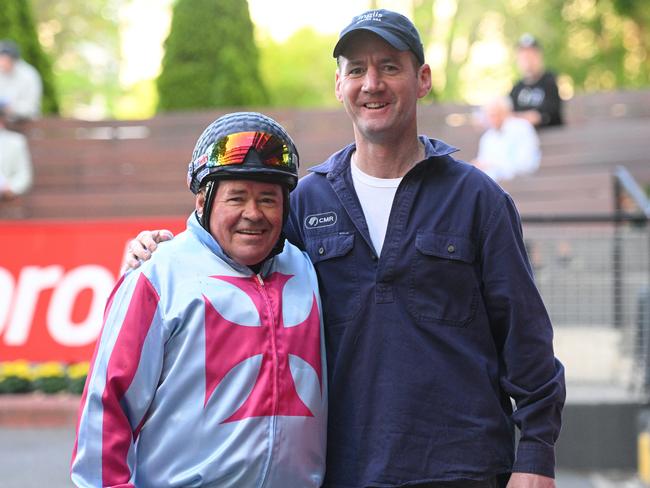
(15, 377)
(77, 376)
(49, 377)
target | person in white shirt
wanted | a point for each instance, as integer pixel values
(510, 146)
(21, 87)
(15, 163)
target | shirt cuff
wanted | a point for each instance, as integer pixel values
(535, 458)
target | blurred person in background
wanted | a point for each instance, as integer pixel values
(15, 162)
(210, 366)
(535, 97)
(433, 322)
(510, 146)
(21, 87)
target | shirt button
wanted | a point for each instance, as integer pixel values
(451, 249)
(321, 250)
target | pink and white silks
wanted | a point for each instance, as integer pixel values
(207, 374)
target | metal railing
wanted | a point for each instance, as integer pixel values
(593, 272)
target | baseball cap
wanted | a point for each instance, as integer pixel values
(394, 28)
(9, 48)
(528, 40)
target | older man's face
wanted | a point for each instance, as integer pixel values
(6, 63)
(246, 218)
(496, 114)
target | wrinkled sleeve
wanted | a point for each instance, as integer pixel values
(121, 384)
(530, 374)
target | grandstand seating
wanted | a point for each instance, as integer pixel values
(136, 168)
(603, 131)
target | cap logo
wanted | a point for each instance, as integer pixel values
(370, 17)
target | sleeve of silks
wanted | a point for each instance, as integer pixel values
(120, 387)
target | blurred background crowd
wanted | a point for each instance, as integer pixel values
(133, 58)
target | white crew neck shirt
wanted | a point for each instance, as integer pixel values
(376, 196)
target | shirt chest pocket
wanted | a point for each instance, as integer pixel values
(333, 259)
(443, 287)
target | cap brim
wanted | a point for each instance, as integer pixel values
(387, 36)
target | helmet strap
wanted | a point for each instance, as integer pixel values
(279, 246)
(210, 193)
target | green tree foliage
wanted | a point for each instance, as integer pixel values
(83, 39)
(300, 71)
(593, 44)
(211, 59)
(597, 44)
(17, 24)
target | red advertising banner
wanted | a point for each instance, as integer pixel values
(55, 277)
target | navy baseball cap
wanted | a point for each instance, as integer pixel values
(10, 48)
(394, 28)
(528, 41)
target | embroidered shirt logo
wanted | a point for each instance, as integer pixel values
(320, 220)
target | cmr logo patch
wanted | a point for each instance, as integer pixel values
(320, 220)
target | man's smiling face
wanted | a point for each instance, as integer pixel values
(246, 218)
(379, 86)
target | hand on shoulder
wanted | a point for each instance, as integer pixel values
(140, 248)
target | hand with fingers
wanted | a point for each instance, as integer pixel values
(140, 248)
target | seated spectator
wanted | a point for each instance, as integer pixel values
(535, 97)
(509, 146)
(21, 87)
(15, 162)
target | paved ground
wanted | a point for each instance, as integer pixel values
(35, 458)
(39, 458)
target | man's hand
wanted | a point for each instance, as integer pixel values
(529, 480)
(140, 248)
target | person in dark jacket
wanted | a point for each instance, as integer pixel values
(438, 342)
(535, 97)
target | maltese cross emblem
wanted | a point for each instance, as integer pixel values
(228, 344)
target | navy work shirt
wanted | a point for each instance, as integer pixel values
(428, 343)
